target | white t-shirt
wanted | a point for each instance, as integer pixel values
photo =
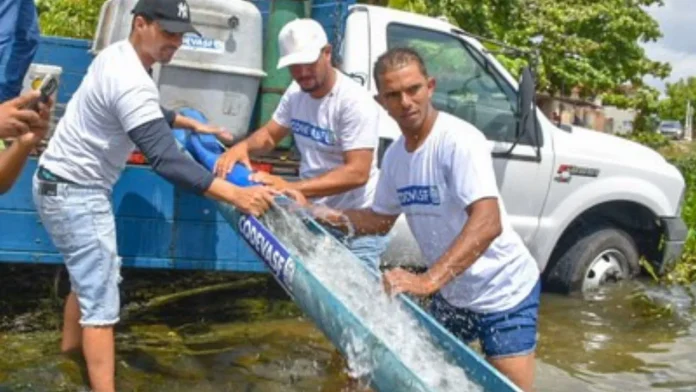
(90, 145)
(433, 186)
(343, 120)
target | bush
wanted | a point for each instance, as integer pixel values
(654, 140)
(69, 18)
(683, 156)
(687, 166)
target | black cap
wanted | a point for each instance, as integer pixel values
(173, 15)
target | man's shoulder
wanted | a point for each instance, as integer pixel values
(351, 90)
(356, 101)
(455, 129)
(111, 56)
(119, 62)
(454, 122)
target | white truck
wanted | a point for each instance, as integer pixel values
(588, 205)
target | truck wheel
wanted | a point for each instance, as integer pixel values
(592, 257)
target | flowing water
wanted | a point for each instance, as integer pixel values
(362, 293)
(189, 331)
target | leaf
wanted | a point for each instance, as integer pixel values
(69, 18)
(589, 44)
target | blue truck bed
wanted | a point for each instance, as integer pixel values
(158, 226)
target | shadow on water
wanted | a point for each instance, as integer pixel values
(185, 330)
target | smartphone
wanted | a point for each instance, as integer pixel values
(48, 86)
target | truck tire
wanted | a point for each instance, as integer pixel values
(591, 257)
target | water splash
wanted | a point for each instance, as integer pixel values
(361, 291)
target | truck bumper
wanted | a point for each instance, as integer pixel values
(675, 233)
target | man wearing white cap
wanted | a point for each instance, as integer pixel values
(334, 121)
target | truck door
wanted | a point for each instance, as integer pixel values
(472, 89)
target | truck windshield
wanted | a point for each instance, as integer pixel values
(465, 88)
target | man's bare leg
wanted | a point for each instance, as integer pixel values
(98, 346)
(520, 370)
(72, 331)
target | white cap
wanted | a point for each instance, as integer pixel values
(300, 42)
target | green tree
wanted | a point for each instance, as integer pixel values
(69, 18)
(590, 44)
(678, 94)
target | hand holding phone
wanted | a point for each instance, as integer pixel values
(48, 86)
(16, 118)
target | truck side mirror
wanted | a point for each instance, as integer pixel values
(526, 114)
(525, 103)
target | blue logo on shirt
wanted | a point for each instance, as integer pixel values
(319, 135)
(419, 194)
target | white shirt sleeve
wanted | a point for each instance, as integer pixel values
(469, 167)
(386, 200)
(283, 113)
(135, 102)
(357, 126)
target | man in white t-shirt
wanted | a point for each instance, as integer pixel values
(115, 109)
(334, 121)
(439, 173)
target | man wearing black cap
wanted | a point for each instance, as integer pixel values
(115, 109)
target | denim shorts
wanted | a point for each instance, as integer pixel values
(80, 222)
(509, 333)
(368, 248)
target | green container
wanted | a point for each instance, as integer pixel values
(277, 80)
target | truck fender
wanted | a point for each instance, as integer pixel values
(554, 223)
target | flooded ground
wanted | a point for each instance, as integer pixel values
(188, 331)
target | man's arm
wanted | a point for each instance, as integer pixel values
(378, 219)
(266, 138)
(155, 140)
(263, 140)
(363, 222)
(15, 118)
(176, 120)
(482, 227)
(12, 159)
(169, 115)
(354, 173)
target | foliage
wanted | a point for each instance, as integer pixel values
(653, 140)
(687, 166)
(590, 44)
(683, 156)
(593, 45)
(69, 18)
(678, 94)
(646, 102)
